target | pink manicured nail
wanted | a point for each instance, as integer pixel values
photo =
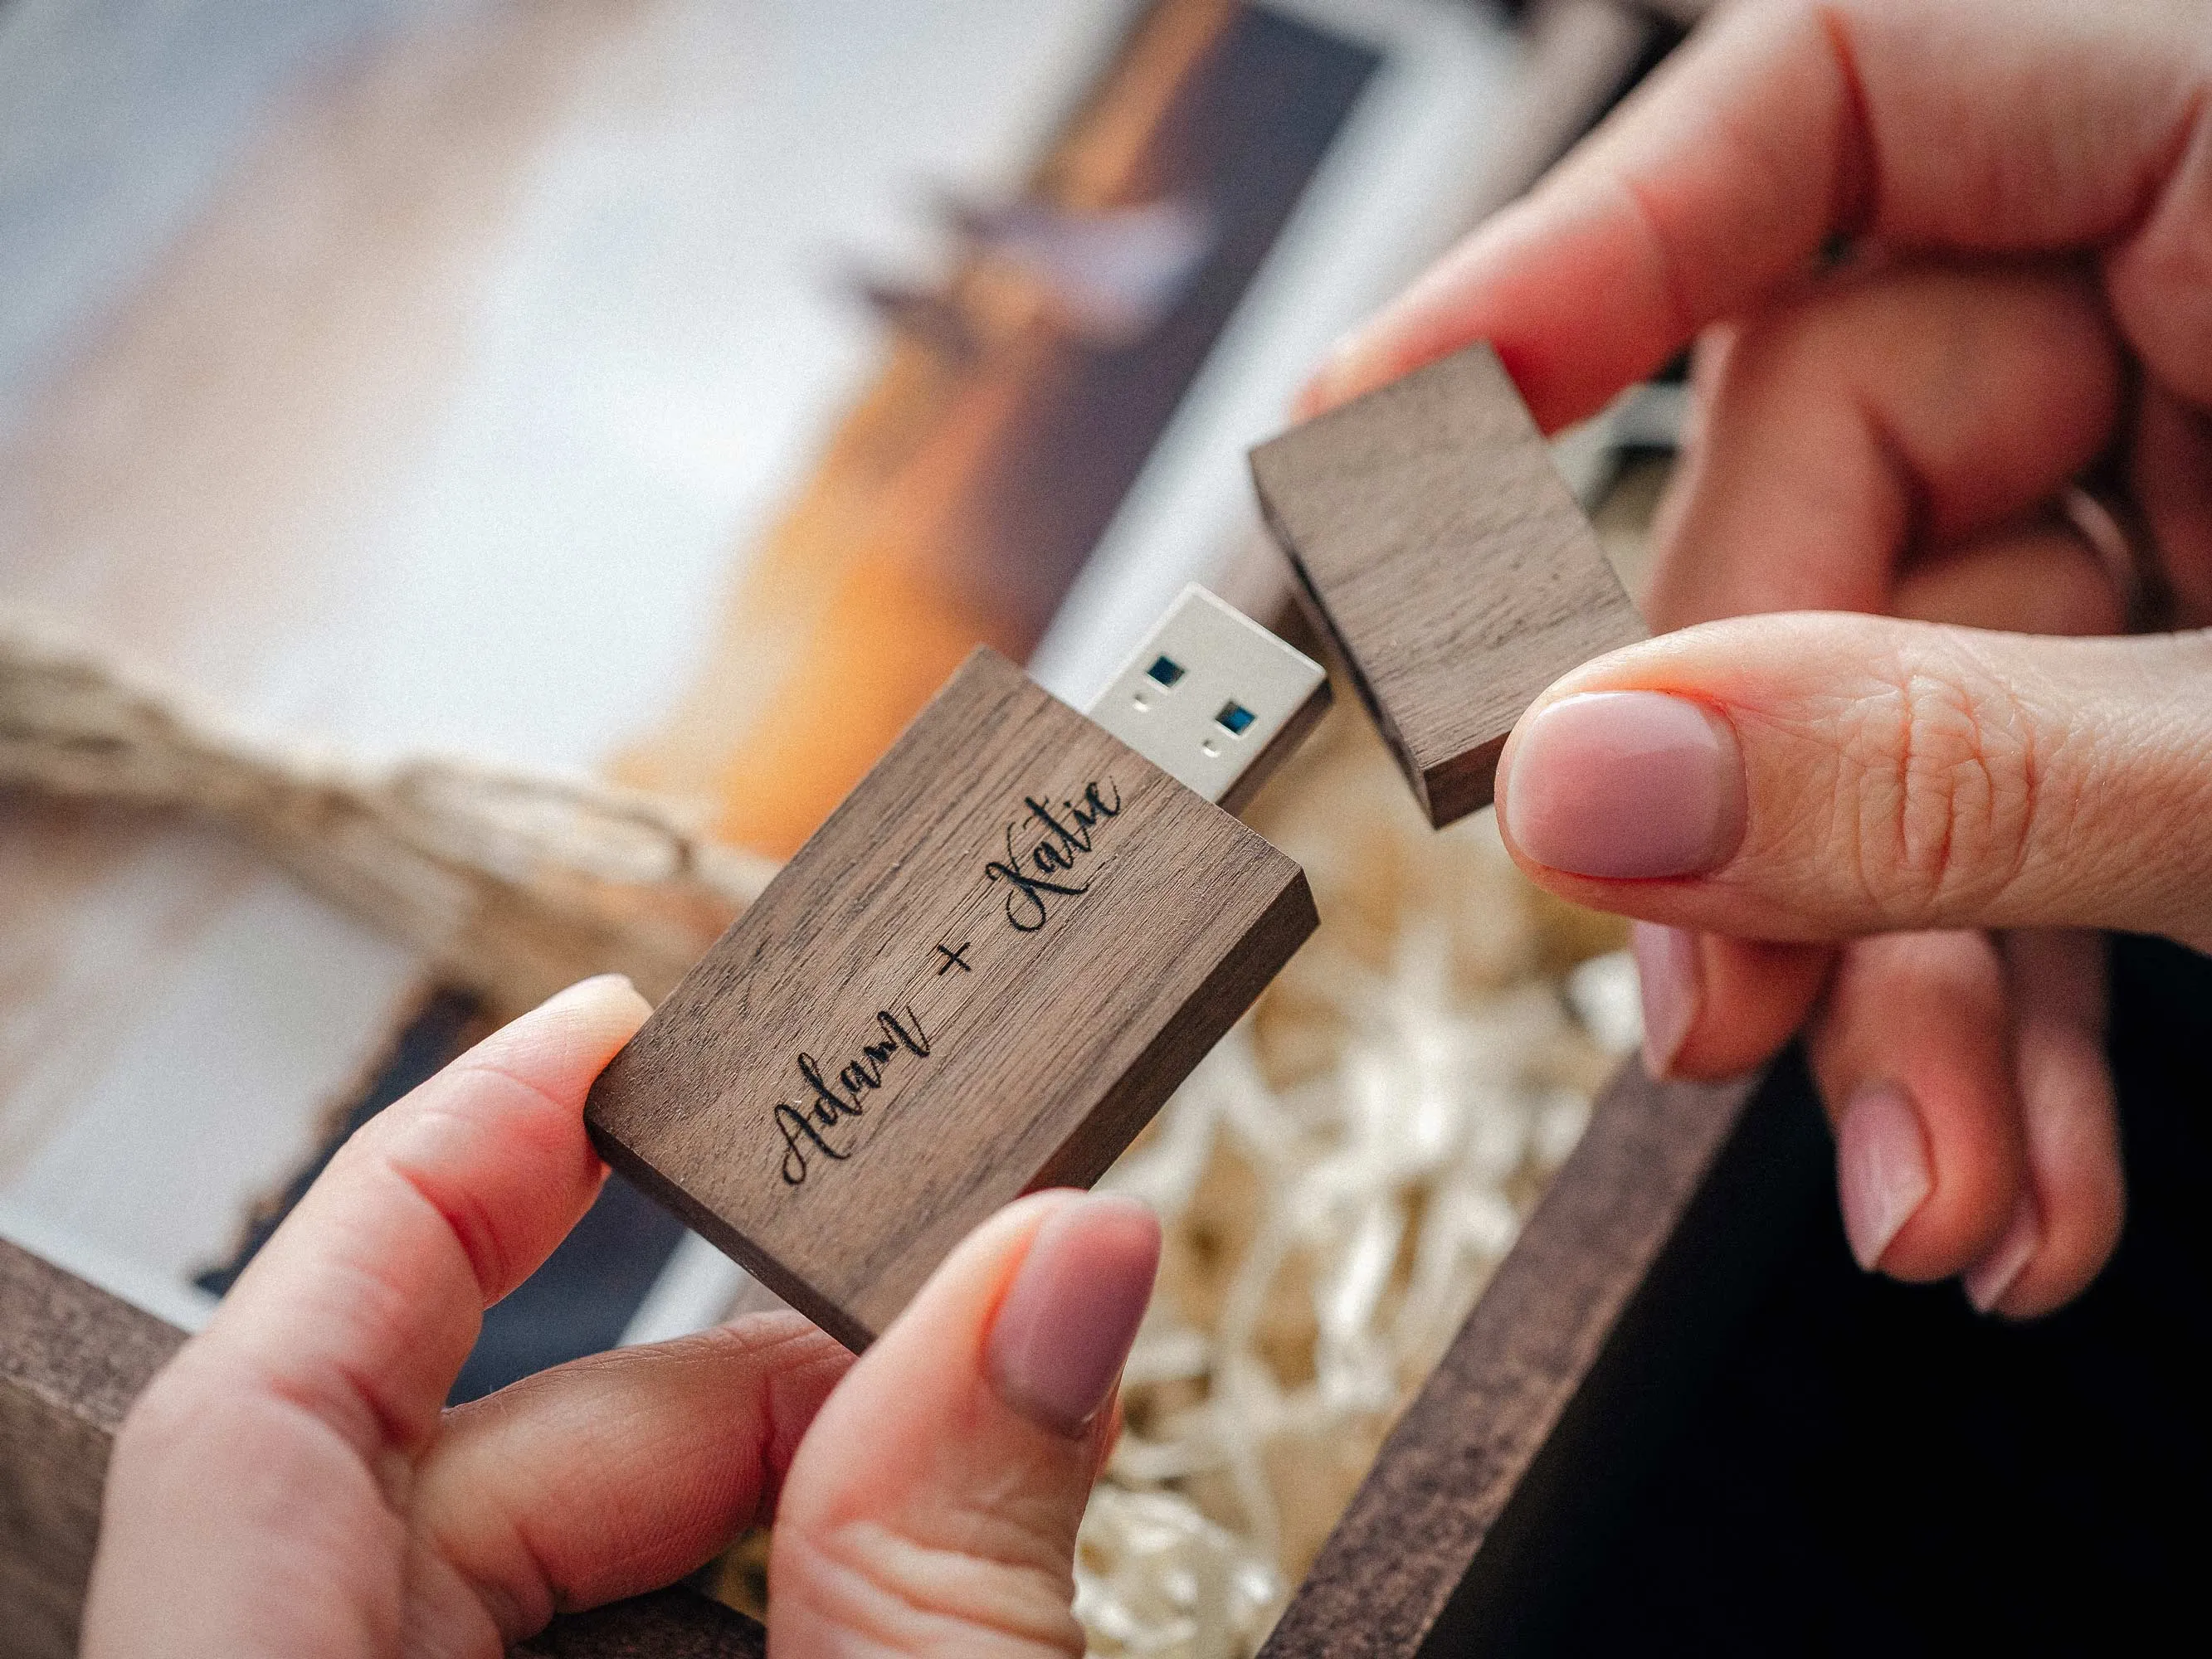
(1882, 1168)
(1988, 1280)
(1065, 1328)
(1672, 983)
(1625, 785)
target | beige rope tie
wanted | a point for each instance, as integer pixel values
(513, 886)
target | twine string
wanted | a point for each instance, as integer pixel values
(512, 885)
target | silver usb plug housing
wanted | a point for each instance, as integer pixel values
(1213, 699)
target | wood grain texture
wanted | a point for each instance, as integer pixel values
(981, 976)
(1449, 1544)
(72, 1358)
(1448, 561)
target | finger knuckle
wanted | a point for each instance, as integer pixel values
(995, 1592)
(1951, 787)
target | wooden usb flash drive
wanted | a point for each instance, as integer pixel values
(1448, 560)
(981, 975)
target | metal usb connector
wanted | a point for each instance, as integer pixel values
(1213, 699)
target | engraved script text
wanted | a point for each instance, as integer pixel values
(1046, 872)
(827, 1106)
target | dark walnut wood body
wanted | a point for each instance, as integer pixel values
(1447, 562)
(981, 976)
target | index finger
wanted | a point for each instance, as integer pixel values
(365, 1302)
(1999, 126)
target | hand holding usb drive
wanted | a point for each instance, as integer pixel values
(981, 975)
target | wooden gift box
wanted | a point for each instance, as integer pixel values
(1557, 1485)
(1489, 1470)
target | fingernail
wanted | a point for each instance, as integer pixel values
(1671, 983)
(1882, 1168)
(1623, 785)
(1066, 1326)
(604, 999)
(1323, 391)
(1988, 1280)
(587, 990)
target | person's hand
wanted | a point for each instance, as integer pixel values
(1941, 258)
(291, 1484)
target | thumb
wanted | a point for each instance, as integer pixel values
(933, 1506)
(1815, 776)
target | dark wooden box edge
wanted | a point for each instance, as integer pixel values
(1647, 1244)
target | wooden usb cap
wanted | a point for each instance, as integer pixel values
(1449, 561)
(982, 975)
